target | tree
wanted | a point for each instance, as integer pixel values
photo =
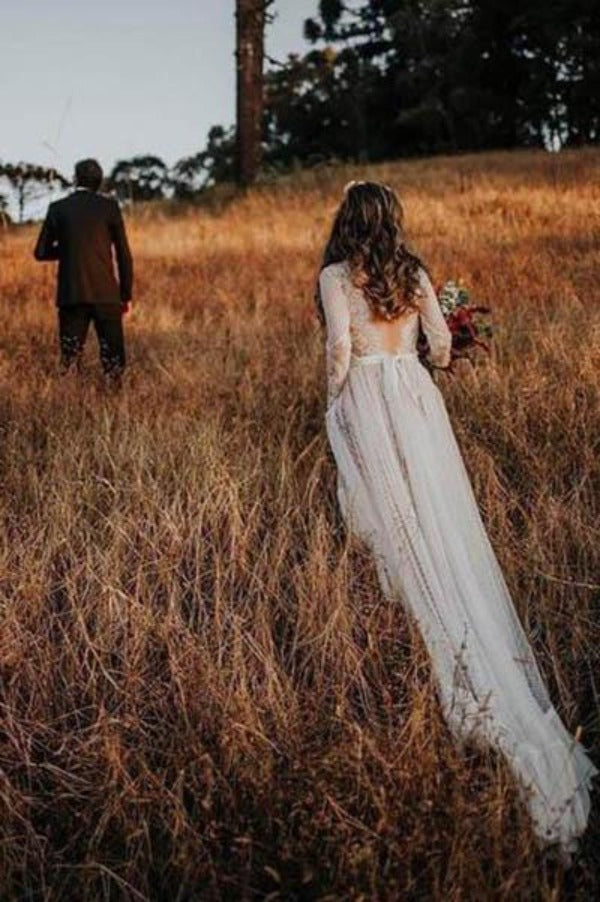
(389, 78)
(315, 109)
(188, 176)
(5, 219)
(30, 182)
(216, 163)
(250, 29)
(141, 178)
(578, 73)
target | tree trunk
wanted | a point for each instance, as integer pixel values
(250, 16)
(21, 188)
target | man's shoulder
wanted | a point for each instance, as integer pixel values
(66, 202)
(59, 204)
(108, 203)
(97, 197)
(101, 204)
(59, 208)
(109, 199)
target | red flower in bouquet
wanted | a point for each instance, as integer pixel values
(469, 330)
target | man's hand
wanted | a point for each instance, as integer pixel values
(126, 307)
(47, 243)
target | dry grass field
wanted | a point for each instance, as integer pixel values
(203, 693)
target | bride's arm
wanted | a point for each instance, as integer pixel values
(337, 319)
(434, 325)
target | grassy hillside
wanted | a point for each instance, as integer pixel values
(204, 694)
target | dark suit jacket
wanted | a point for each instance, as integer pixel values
(80, 232)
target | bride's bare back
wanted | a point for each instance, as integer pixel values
(353, 330)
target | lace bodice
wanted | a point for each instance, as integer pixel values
(352, 330)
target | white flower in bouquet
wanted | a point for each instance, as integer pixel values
(451, 296)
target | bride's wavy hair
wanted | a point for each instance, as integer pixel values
(368, 233)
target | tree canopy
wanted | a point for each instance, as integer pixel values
(388, 78)
(141, 178)
(29, 181)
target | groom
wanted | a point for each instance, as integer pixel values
(81, 231)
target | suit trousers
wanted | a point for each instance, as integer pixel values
(74, 322)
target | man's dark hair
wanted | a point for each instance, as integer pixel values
(88, 174)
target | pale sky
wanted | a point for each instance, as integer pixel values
(115, 78)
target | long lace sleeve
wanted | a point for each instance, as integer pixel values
(337, 318)
(434, 325)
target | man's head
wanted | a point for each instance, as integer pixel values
(88, 174)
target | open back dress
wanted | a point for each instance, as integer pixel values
(403, 488)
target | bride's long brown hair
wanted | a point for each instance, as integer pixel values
(368, 233)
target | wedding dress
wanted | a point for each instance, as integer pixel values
(403, 488)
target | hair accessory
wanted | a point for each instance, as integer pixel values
(352, 184)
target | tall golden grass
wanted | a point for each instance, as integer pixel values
(204, 695)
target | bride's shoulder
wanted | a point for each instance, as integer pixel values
(333, 270)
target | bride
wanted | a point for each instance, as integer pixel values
(403, 488)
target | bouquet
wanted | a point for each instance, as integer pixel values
(470, 331)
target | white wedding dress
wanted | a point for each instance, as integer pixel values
(403, 488)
